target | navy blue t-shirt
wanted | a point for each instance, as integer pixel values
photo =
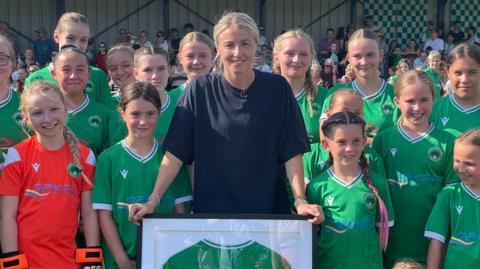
(239, 143)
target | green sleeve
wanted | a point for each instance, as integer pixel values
(438, 224)
(102, 187)
(313, 193)
(102, 90)
(450, 176)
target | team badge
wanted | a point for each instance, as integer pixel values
(17, 117)
(369, 200)
(316, 108)
(435, 154)
(388, 108)
(95, 121)
(73, 170)
(90, 86)
(5, 142)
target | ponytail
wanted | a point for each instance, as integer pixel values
(74, 147)
(310, 89)
(384, 229)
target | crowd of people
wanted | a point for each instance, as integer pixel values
(377, 144)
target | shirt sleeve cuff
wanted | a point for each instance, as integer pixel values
(436, 236)
(99, 206)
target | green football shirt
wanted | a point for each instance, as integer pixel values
(166, 115)
(456, 219)
(311, 119)
(123, 178)
(316, 161)
(380, 110)
(348, 237)
(97, 86)
(206, 254)
(448, 114)
(11, 131)
(178, 90)
(417, 170)
(437, 83)
(95, 125)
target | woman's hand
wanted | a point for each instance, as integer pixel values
(309, 209)
(136, 212)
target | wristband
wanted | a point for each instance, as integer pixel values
(13, 260)
(89, 255)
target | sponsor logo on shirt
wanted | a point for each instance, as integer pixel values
(459, 209)
(90, 86)
(388, 108)
(369, 200)
(444, 120)
(124, 173)
(73, 170)
(35, 167)
(465, 239)
(95, 121)
(435, 154)
(393, 151)
(41, 191)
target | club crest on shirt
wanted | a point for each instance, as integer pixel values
(36, 166)
(95, 121)
(444, 120)
(316, 108)
(5, 142)
(393, 151)
(330, 200)
(17, 117)
(369, 200)
(435, 154)
(388, 108)
(124, 173)
(459, 209)
(73, 170)
(370, 128)
(90, 86)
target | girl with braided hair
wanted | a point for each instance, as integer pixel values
(46, 182)
(293, 55)
(355, 201)
(414, 179)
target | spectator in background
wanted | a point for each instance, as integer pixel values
(325, 44)
(206, 32)
(457, 33)
(32, 68)
(472, 37)
(101, 57)
(421, 62)
(174, 37)
(143, 40)
(334, 53)
(19, 76)
(122, 38)
(91, 50)
(435, 42)
(411, 51)
(449, 44)
(426, 35)
(161, 42)
(329, 74)
(187, 28)
(369, 24)
(262, 40)
(5, 31)
(28, 57)
(43, 47)
(261, 63)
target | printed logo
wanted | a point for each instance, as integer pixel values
(435, 154)
(316, 108)
(370, 129)
(332, 229)
(330, 200)
(369, 200)
(73, 170)
(95, 121)
(124, 173)
(36, 194)
(444, 120)
(460, 242)
(459, 209)
(388, 108)
(399, 183)
(17, 117)
(36, 166)
(90, 86)
(322, 165)
(393, 151)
